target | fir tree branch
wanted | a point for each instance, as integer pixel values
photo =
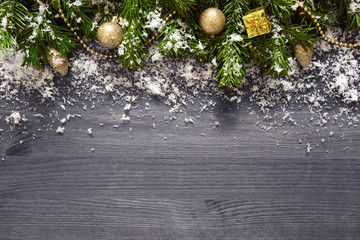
(353, 15)
(133, 47)
(282, 9)
(32, 26)
(353, 22)
(176, 41)
(184, 8)
(43, 32)
(300, 35)
(80, 16)
(14, 18)
(201, 50)
(277, 62)
(231, 65)
(232, 54)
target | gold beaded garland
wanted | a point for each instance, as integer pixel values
(306, 10)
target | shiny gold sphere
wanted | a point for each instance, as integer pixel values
(110, 35)
(212, 21)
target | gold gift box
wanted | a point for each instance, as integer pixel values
(257, 22)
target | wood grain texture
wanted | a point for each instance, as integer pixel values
(236, 181)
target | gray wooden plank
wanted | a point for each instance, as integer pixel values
(236, 181)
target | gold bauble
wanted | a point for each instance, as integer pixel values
(212, 21)
(110, 35)
(57, 61)
(303, 55)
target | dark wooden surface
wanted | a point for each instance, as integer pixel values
(177, 180)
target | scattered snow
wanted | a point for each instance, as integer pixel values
(125, 118)
(189, 120)
(89, 131)
(354, 7)
(60, 130)
(332, 78)
(14, 118)
(154, 20)
(15, 77)
(308, 148)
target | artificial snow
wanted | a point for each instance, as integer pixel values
(14, 118)
(60, 130)
(332, 78)
(189, 120)
(90, 131)
(14, 76)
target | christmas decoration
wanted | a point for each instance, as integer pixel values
(322, 34)
(110, 35)
(58, 62)
(303, 55)
(212, 21)
(257, 22)
(30, 26)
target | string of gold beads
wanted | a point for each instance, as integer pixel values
(166, 19)
(91, 50)
(322, 34)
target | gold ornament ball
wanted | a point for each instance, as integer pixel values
(57, 61)
(110, 35)
(212, 21)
